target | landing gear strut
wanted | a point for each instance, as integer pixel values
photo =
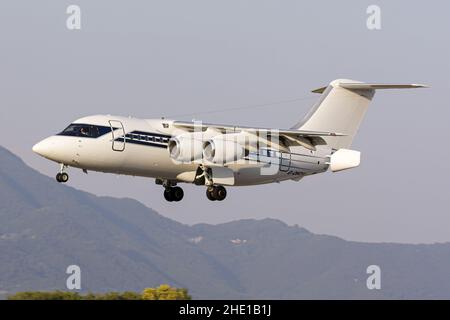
(214, 193)
(62, 176)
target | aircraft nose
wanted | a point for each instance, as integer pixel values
(56, 148)
(42, 148)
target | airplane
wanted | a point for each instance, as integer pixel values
(217, 156)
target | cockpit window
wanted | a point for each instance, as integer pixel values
(85, 130)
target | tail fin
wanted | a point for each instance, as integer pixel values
(341, 109)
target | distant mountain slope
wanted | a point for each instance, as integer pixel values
(122, 245)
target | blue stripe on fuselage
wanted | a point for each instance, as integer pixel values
(149, 139)
(143, 143)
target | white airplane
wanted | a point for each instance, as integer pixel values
(215, 155)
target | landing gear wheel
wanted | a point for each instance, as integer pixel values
(177, 194)
(62, 177)
(219, 193)
(173, 194)
(168, 195)
(216, 193)
(209, 193)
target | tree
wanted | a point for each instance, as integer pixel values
(165, 292)
(50, 295)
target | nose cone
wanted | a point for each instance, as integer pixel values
(57, 148)
(42, 148)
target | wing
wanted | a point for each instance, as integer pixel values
(287, 137)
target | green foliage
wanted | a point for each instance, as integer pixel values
(127, 295)
(52, 295)
(163, 292)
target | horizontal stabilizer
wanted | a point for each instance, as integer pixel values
(366, 86)
(371, 86)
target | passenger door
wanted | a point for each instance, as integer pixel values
(118, 135)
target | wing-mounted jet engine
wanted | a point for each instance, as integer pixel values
(223, 149)
(186, 147)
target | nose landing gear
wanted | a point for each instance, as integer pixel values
(214, 193)
(62, 176)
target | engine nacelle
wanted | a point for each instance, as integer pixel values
(344, 159)
(223, 149)
(186, 147)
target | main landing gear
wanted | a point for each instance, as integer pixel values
(214, 193)
(171, 191)
(62, 176)
(173, 194)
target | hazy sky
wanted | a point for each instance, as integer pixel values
(155, 58)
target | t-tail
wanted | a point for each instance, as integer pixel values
(341, 108)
